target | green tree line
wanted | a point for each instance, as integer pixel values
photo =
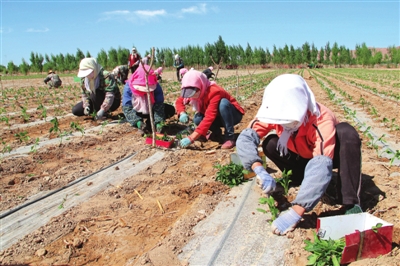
(228, 56)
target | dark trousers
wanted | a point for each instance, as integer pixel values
(347, 159)
(95, 101)
(133, 68)
(177, 73)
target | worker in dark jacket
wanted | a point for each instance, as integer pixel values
(52, 80)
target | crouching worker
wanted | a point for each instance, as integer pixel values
(52, 80)
(214, 107)
(100, 92)
(310, 141)
(121, 74)
(135, 103)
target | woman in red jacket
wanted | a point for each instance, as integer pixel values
(214, 106)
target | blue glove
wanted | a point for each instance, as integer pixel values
(264, 180)
(185, 142)
(159, 128)
(183, 118)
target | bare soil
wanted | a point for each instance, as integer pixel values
(117, 227)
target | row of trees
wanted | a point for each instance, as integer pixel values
(218, 52)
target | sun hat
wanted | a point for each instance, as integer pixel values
(188, 92)
(84, 72)
(50, 71)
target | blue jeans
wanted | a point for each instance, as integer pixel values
(228, 116)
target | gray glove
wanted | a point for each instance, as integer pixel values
(99, 114)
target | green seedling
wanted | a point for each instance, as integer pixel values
(24, 114)
(55, 127)
(77, 127)
(61, 206)
(376, 227)
(231, 174)
(285, 180)
(120, 119)
(22, 136)
(43, 111)
(325, 252)
(6, 147)
(6, 119)
(396, 155)
(102, 127)
(270, 201)
(35, 145)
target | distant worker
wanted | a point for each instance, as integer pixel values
(146, 60)
(178, 64)
(100, 92)
(52, 80)
(121, 73)
(208, 72)
(134, 60)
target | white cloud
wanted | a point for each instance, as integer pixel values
(199, 9)
(36, 30)
(126, 15)
(5, 30)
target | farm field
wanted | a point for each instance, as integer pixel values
(116, 226)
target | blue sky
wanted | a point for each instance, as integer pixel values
(54, 27)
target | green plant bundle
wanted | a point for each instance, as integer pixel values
(230, 174)
(325, 252)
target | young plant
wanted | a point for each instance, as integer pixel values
(325, 252)
(270, 201)
(22, 136)
(376, 227)
(35, 145)
(230, 174)
(102, 127)
(285, 180)
(77, 127)
(396, 155)
(6, 147)
(24, 114)
(43, 111)
(55, 127)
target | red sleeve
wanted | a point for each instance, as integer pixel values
(179, 106)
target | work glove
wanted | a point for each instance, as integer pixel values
(108, 101)
(86, 110)
(159, 128)
(183, 118)
(99, 114)
(264, 180)
(85, 104)
(185, 142)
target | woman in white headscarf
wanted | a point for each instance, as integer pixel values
(308, 140)
(100, 92)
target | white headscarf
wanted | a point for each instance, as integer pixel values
(286, 100)
(91, 63)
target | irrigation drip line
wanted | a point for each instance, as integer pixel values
(228, 231)
(62, 188)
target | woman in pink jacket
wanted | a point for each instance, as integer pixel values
(307, 139)
(214, 106)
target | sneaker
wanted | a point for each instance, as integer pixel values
(229, 144)
(352, 209)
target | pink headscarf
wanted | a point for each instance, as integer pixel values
(137, 83)
(197, 79)
(183, 71)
